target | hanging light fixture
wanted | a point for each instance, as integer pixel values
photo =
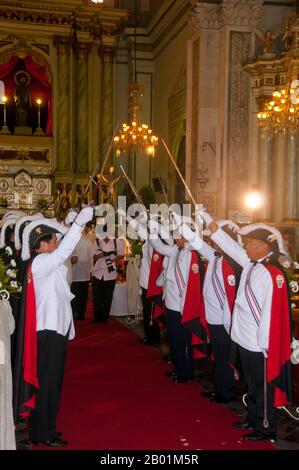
(281, 113)
(135, 136)
(97, 1)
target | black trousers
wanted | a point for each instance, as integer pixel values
(51, 355)
(150, 326)
(253, 370)
(102, 292)
(223, 374)
(179, 344)
(80, 291)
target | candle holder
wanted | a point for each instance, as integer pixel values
(4, 129)
(38, 130)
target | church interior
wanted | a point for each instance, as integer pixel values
(161, 101)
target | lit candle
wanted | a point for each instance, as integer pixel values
(4, 99)
(39, 101)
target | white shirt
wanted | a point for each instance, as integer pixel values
(215, 313)
(177, 274)
(100, 269)
(52, 292)
(82, 268)
(147, 252)
(248, 330)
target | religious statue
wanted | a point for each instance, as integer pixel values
(22, 98)
(109, 184)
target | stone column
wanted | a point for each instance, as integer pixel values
(82, 164)
(63, 47)
(279, 178)
(291, 197)
(265, 174)
(107, 130)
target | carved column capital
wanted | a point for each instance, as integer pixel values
(107, 54)
(241, 12)
(204, 16)
(83, 50)
(62, 44)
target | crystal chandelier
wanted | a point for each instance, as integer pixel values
(135, 136)
(281, 113)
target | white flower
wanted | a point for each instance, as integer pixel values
(20, 289)
(14, 284)
(296, 265)
(294, 286)
(286, 264)
(11, 273)
(13, 263)
(8, 250)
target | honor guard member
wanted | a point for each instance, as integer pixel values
(260, 324)
(47, 324)
(221, 281)
(179, 310)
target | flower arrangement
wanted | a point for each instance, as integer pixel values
(8, 275)
(293, 278)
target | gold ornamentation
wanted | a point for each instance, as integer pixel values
(195, 268)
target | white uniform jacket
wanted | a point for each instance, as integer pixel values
(252, 311)
(177, 274)
(52, 292)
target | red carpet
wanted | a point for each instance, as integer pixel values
(115, 396)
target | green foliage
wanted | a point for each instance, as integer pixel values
(147, 195)
(136, 248)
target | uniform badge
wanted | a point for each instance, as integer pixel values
(279, 281)
(231, 280)
(195, 268)
(38, 230)
(156, 257)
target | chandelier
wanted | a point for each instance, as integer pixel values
(281, 113)
(135, 136)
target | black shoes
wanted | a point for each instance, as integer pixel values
(56, 442)
(208, 394)
(221, 399)
(242, 425)
(179, 379)
(257, 436)
(170, 373)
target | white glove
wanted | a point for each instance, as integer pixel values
(138, 228)
(84, 216)
(202, 215)
(70, 217)
(192, 237)
(176, 220)
(153, 226)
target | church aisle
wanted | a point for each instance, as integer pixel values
(115, 396)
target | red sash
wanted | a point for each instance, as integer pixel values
(154, 292)
(193, 313)
(30, 342)
(230, 287)
(279, 351)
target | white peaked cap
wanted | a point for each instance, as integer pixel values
(273, 234)
(231, 226)
(43, 221)
(11, 220)
(19, 223)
